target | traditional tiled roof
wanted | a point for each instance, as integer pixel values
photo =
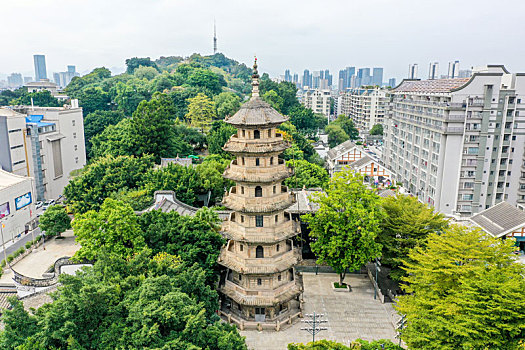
(340, 149)
(500, 219)
(236, 175)
(263, 267)
(234, 146)
(431, 86)
(255, 300)
(232, 202)
(304, 204)
(360, 162)
(256, 112)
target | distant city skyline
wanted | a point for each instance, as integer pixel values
(284, 35)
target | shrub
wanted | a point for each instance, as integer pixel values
(2, 264)
(29, 244)
(21, 250)
(10, 258)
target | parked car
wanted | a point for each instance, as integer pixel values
(39, 204)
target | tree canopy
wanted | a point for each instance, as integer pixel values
(54, 220)
(306, 175)
(377, 130)
(346, 225)
(464, 291)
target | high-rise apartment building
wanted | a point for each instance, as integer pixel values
(62, 79)
(366, 107)
(377, 77)
(412, 71)
(392, 82)
(307, 79)
(40, 67)
(458, 144)
(317, 100)
(453, 69)
(363, 77)
(465, 73)
(15, 80)
(345, 78)
(433, 71)
(295, 79)
(287, 75)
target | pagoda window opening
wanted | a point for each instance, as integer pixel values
(277, 247)
(240, 277)
(274, 189)
(242, 189)
(270, 133)
(271, 160)
(279, 278)
(232, 218)
(257, 162)
(258, 191)
(259, 281)
(259, 252)
(242, 218)
(291, 274)
(242, 160)
(256, 134)
(258, 221)
(242, 247)
(276, 218)
(244, 133)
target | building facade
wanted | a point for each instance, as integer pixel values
(412, 71)
(258, 284)
(458, 144)
(40, 67)
(433, 71)
(317, 100)
(46, 143)
(366, 107)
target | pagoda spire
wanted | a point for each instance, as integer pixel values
(255, 80)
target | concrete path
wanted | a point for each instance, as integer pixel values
(350, 315)
(36, 263)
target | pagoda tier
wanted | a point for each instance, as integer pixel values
(258, 281)
(273, 172)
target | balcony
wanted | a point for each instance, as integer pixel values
(260, 266)
(263, 297)
(268, 234)
(270, 204)
(262, 174)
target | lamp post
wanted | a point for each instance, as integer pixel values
(377, 264)
(314, 324)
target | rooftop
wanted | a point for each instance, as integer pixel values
(360, 162)
(8, 179)
(431, 86)
(340, 149)
(500, 219)
(256, 112)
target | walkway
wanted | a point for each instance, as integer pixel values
(350, 315)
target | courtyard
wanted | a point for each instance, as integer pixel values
(350, 315)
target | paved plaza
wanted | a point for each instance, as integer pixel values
(350, 315)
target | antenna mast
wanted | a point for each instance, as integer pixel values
(214, 38)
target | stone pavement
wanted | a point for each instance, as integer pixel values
(350, 315)
(36, 263)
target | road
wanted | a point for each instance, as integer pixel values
(24, 238)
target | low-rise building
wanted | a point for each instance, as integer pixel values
(317, 100)
(458, 144)
(45, 84)
(342, 155)
(46, 143)
(366, 107)
(17, 208)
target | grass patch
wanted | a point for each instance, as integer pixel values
(337, 285)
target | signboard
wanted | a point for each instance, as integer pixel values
(4, 210)
(23, 201)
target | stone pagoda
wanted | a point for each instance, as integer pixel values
(259, 285)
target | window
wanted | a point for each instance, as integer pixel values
(274, 189)
(76, 147)
(242, 189)
(242, 218)
(279, 278)
(242, 160)
(74, 135)
(244, 133)
(276, 218)
(257, 162)
(258, 191)
(242, 247)
(256, 134)
(19, 162)
(14, 130)
(270, 133)
(277, 247)
(258, 221)
(259, 282)
(240, 277)
(18, 146)
(73, 122)
(271, 160)
(259, 252)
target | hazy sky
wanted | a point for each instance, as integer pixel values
(283, 33)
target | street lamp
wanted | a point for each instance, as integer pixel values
(313, 324)
(377, 264)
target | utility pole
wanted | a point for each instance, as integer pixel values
(313, 324)
(214, 38)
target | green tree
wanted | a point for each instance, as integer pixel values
(7, 96)
(305, 120)
(220, 132)
(41, 98)
(273, 98)
(128, 95)
(406, 225)
(147, 73)
(377, 130)
(346, 225)
(102, 177)
(358, 344)
(18, 325)
(93, 98)
(201, 112)
(151, 128)
(136, 62)
(336, 134)
(210, 172)
(113, 228)
(77, 84)
(348, 126)
(96, 122)
(55, 220)
(114, 141)
(226, 103)
(307, 175)
(464, 291)
(207, 79)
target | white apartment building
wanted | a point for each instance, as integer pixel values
(366, 107)
(46, 143)
(458, 144)
(317, 100)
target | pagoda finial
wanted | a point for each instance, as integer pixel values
(255, 80)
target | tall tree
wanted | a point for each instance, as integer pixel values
(307, 175)
(134, 63)
(18, 325)
(151, 128)
(92, 98)
(226, 103)
(377, 130)
(336, 134)
(201, 112)
(347, 125)
(346, 225)
(113, 228)
(406, 225)
(220, 132)
(96, 122)
(41, 98)
(55, 220)
(464, 291)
